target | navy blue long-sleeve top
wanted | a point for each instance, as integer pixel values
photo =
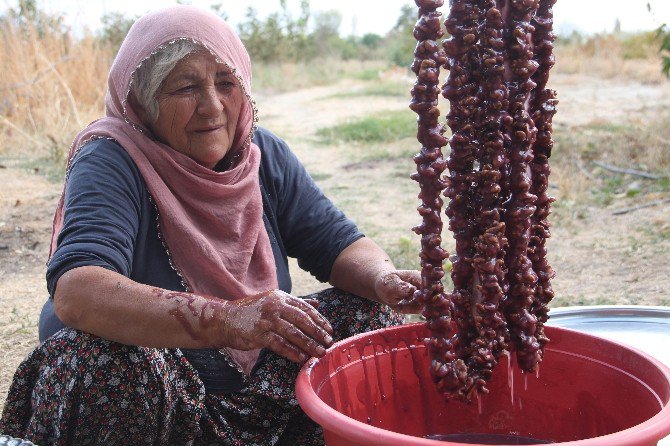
(111, 222)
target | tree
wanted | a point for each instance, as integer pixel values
(280, 36)
(265, 40)
(664, 34)
(400, 40)
(325, 37)
(371, 40)
(115, 26)
(218, 10)
(27, 14)
(296, 30)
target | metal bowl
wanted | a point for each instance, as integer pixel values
(643, 327)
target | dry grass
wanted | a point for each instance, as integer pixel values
(609, 56)
(287, 76)
(51, 86)
(642, 146)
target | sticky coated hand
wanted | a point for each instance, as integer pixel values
(289, 326)
(396, 289)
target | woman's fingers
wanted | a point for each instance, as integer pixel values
(408, 306)
(412, 281)
(411, 276)
(397, 286)
(282, 347)
(303, 317)
(299, 339)
(286, 325)
(310, 306)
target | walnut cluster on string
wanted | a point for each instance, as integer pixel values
(498, 54)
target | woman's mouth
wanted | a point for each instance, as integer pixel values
(208, 129)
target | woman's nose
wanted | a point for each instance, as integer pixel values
(210, 102)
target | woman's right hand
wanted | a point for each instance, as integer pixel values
(289, 326)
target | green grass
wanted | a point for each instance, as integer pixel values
(48, 167)
(369, 156)
(369, 74)
(290, 76)
(22, 320)
(378, 128)
(388, 89)
(404, 252)
(607, 127)
(663, 184)
(657, 232)
(639, 146)
(604, 195)
(318, 176)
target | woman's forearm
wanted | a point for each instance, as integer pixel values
(364, 269)
(358, 268)
(112, 306)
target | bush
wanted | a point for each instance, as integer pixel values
(663, 34)
(382, 127)
(115, 26)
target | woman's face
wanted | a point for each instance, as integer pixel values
(199, 103)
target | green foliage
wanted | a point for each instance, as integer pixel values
(639, 45)
(218, 10)
(371, 40)
(282, 76)
(610, 187)
(405, 253)
(400, 40)
(279, 36)
(574, 38)
(370, 74)
(325, 38)
(383, 127)
(27, 14)
(664, 34)
(115, 26)
(390, 89)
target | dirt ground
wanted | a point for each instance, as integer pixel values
(599, 257)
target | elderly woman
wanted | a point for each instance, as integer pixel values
(169, 262)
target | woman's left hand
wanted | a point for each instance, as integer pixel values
(396, 289)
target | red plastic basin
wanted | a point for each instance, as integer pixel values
(375, 389)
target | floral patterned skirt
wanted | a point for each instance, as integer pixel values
(79, 389)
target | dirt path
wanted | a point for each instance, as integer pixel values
(599, 257)
(585, 99)
(27, 201)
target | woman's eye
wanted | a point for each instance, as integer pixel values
(226, 85)
(186, 89)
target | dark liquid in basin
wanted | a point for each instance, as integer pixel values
(487, 439)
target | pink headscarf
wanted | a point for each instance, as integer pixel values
(211, 222)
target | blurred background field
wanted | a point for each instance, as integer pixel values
(341, 103)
